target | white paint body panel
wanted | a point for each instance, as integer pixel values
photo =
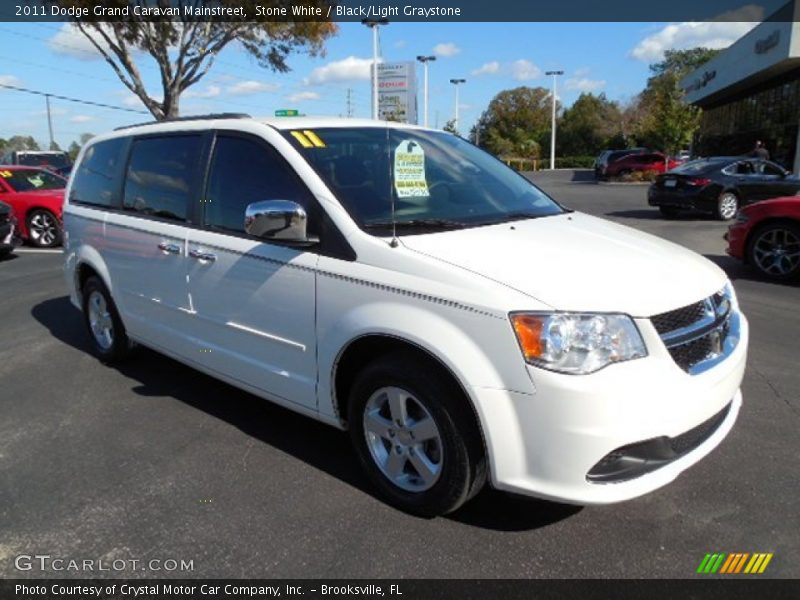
(276, 319)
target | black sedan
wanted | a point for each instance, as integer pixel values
(7, 229)
(720, 185)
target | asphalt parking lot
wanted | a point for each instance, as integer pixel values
(153, 460)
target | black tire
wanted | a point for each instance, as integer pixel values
(727, 205)
(120, 346)
(463, 468)
(44, 230)
(669, 212)
(758, 245)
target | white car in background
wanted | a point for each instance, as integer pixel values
(402, 284)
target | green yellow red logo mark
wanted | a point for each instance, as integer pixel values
(737, 562)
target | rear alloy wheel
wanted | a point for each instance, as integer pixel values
(775, 251)
(669, 212)
(415, 435)
(109, 340)
(727, 205)
(44, 230)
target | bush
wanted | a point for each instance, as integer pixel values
(574, 162)
(638, 176)
(539, 164)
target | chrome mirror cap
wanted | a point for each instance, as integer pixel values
(280, 220)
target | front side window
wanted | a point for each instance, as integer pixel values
(432, 179)
(244, 171)
(92, 182)
(160, 175)
(30, 180)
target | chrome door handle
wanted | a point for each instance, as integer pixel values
(169, 248)
(204, 256)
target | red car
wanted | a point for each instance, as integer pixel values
(36, 195)
(649, 161)
(766, 236)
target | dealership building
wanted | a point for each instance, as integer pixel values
(751, 91)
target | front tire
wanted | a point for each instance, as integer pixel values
(106, 332)
(727, 205)
(774, 251)
(415, 435)
(44, 230)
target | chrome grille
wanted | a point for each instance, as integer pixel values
(697, 333)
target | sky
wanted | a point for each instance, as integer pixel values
(611, 58)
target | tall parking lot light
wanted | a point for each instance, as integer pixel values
(553, 124)
(425, 60)
(373, 24)
(456, 82)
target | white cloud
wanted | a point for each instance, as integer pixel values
(302, 96)
(400, 44)
(211, 91)
(584, 84)
(9, 80)
(446, 49)
(71, 42)
(719, 33)
(525, 70)
(489, 68)
(245, 88)
(81, 119)
(351, 68)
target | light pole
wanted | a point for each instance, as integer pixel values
(456, 82)
(374, 24)
(425, 60)
(553, 123)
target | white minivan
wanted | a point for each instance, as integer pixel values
(400, 283)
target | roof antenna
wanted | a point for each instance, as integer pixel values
(395, 242)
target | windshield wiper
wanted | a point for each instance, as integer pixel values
(417, 224)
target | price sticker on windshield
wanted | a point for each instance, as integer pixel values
(409, 170)
(5, 174)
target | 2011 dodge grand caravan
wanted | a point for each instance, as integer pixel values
(400, 283)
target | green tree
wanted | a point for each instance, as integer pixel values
(73, 151)
(21, 142)
(589, 125)
(450, 127)
(515, 124)
(661, 118)
(185, 50)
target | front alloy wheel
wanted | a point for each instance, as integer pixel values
(403, 439)
(415, 434)
(44, 230)
(775, 251)
(106, 331)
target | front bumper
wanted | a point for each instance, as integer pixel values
(546, 444)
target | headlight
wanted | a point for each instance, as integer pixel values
(577, 343)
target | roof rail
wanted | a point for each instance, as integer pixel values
(189, 118)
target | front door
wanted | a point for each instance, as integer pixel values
(253, 302)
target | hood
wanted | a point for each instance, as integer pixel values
(578, 262)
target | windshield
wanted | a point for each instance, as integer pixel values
(436, 180)
(41, 159)
(27, 180)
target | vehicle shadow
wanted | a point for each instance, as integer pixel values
(316, 444)
(653, 214)
(736, 269)
(8, 257)
(583, 176)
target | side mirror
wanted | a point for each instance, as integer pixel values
(278, 221)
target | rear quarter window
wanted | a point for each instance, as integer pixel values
(93, 181)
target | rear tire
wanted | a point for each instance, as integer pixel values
(669, 212)
(44, 230)
(415, 435)
(106, 332)
(727, 205)
(774, 251)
